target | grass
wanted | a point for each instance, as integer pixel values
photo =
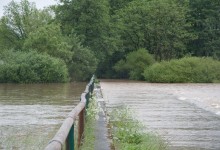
(128, 135)
(89, 133)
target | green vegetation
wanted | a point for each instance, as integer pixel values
(105, 36)
(134, 64)
(128, 134)
(89, 133)
(188, 69)
(30, 67)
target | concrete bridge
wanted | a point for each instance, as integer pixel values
(186, 115)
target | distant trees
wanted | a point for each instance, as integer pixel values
(204, 16)
(158, 25)
(89, 20)
(19, 20)
(104, 36)
(134, 64)
(26, 29)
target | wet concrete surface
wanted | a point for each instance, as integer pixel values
(102, 142)
(186, 115)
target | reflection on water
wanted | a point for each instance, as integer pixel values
(30, 114)
(184, 114)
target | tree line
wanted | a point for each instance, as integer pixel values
(114, 38)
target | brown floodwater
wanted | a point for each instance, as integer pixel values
(186, 115)
(30, 114)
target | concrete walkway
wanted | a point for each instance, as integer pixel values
(180, 113)
(101, 132)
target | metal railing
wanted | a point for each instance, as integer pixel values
(65, 135)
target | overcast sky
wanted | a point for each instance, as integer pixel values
(39, 3)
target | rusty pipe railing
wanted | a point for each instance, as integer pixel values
(66, 132)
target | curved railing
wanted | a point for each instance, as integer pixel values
(65, 135)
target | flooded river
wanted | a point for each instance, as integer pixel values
(30, 114)
(186, 115)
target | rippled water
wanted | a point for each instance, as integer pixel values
(30, 114)
(186, 115)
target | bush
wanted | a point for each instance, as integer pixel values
(31, 67)
(135, 63)
(188, 69)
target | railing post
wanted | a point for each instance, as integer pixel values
(87, 99)
(81, 126)
(70, 139)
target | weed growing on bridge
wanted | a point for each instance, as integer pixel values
(128, 135)
(91, 117)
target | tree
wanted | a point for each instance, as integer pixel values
(157, 25)
(134, 64)
(83, 63)
(116, 5)
(204, 16)
(48, 39)
(19, 20)
(90, 21)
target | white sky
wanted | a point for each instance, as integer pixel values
(39, 3)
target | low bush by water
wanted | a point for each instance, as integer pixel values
(185, 70)
(31, 67)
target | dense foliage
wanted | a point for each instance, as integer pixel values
(188, 69)
(104, 36)
(134, 64)
(31, 67)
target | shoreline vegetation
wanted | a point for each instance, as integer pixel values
(113, 39)
(127, 132)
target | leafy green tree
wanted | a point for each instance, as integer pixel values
(83, 63)
(116, 5)
(19, 20)
(48, 39)
(90, 21)
(158, 25)
(134, 64)
(204, 16)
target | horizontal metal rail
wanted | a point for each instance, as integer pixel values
(66, 132)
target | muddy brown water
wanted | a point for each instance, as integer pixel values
(186, 115)
(30, 114)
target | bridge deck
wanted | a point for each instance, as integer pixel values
(102, 141)
(184, 124)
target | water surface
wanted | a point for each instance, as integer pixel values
(30, 114)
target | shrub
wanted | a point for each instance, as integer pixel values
(31, 67)
(188, 69)
(135, 63)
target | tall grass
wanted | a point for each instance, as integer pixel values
(188, 69)
(128, 134)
